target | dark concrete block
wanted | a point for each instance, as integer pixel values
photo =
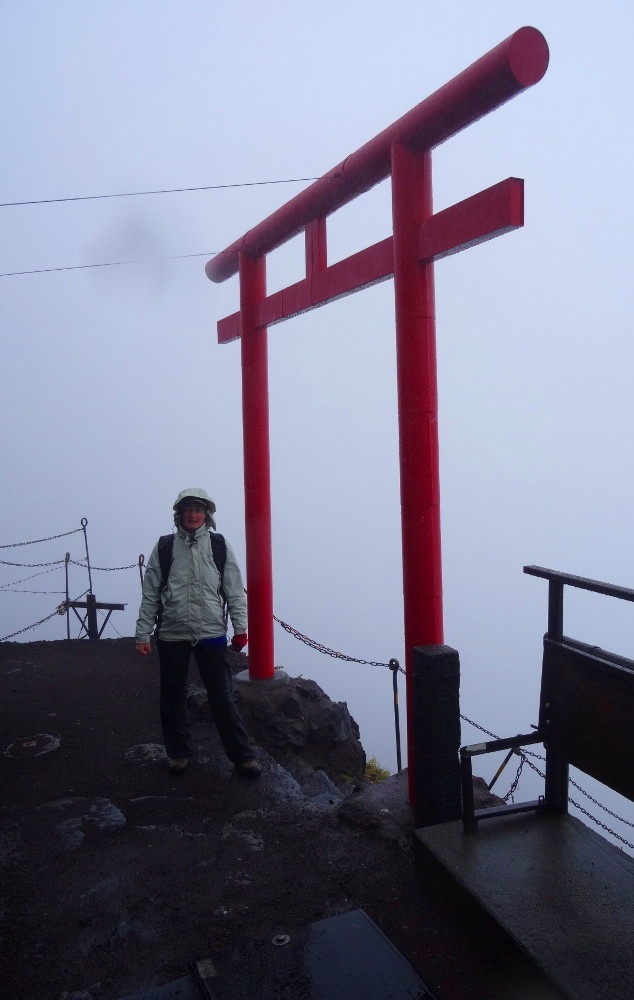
(436, 736)
(562, 892)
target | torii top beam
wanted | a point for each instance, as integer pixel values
(515, 64)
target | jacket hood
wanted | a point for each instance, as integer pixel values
(196, 493)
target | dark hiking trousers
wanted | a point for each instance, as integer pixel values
(215, 673)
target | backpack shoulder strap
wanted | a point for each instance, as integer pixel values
(165, 554)
(218, 550)
(219, 553)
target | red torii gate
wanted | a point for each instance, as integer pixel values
(419, 238)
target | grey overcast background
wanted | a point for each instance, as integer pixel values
(116, 393)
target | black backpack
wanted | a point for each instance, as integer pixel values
(165, 554)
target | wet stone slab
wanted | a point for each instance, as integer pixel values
(345, 957)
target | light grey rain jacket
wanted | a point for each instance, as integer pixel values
(192, 605)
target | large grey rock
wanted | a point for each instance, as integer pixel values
(383, 807)
(297, 719)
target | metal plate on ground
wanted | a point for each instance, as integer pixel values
(345, 957)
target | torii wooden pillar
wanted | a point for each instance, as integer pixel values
(402, 151)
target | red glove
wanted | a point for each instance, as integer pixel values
(239, 642)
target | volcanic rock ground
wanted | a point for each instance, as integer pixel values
(114, 874)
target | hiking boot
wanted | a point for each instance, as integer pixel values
(249, 769)
(177, 765)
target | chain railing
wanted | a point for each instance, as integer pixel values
(15, 590)
(525, 754)
(36, 541)
(102, 569)
(53, 562)
(34, 625)
(320, 648)
(25, 579)
(52, 566)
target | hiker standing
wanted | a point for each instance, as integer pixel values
(189, 576)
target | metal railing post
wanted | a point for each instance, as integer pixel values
(555, 609)
(84, 523)
(91, 615)
(66, 561)
(395, 667)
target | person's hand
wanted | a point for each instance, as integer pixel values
(144, 648)
(239, 642)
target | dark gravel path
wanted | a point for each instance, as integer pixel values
(114, 874)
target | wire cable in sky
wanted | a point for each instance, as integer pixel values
(139, 194)
(109, 263)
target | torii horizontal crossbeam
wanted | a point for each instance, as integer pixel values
(485, 215)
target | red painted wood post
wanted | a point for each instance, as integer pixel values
(418, 414)
(257, 476)
(316, 247)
